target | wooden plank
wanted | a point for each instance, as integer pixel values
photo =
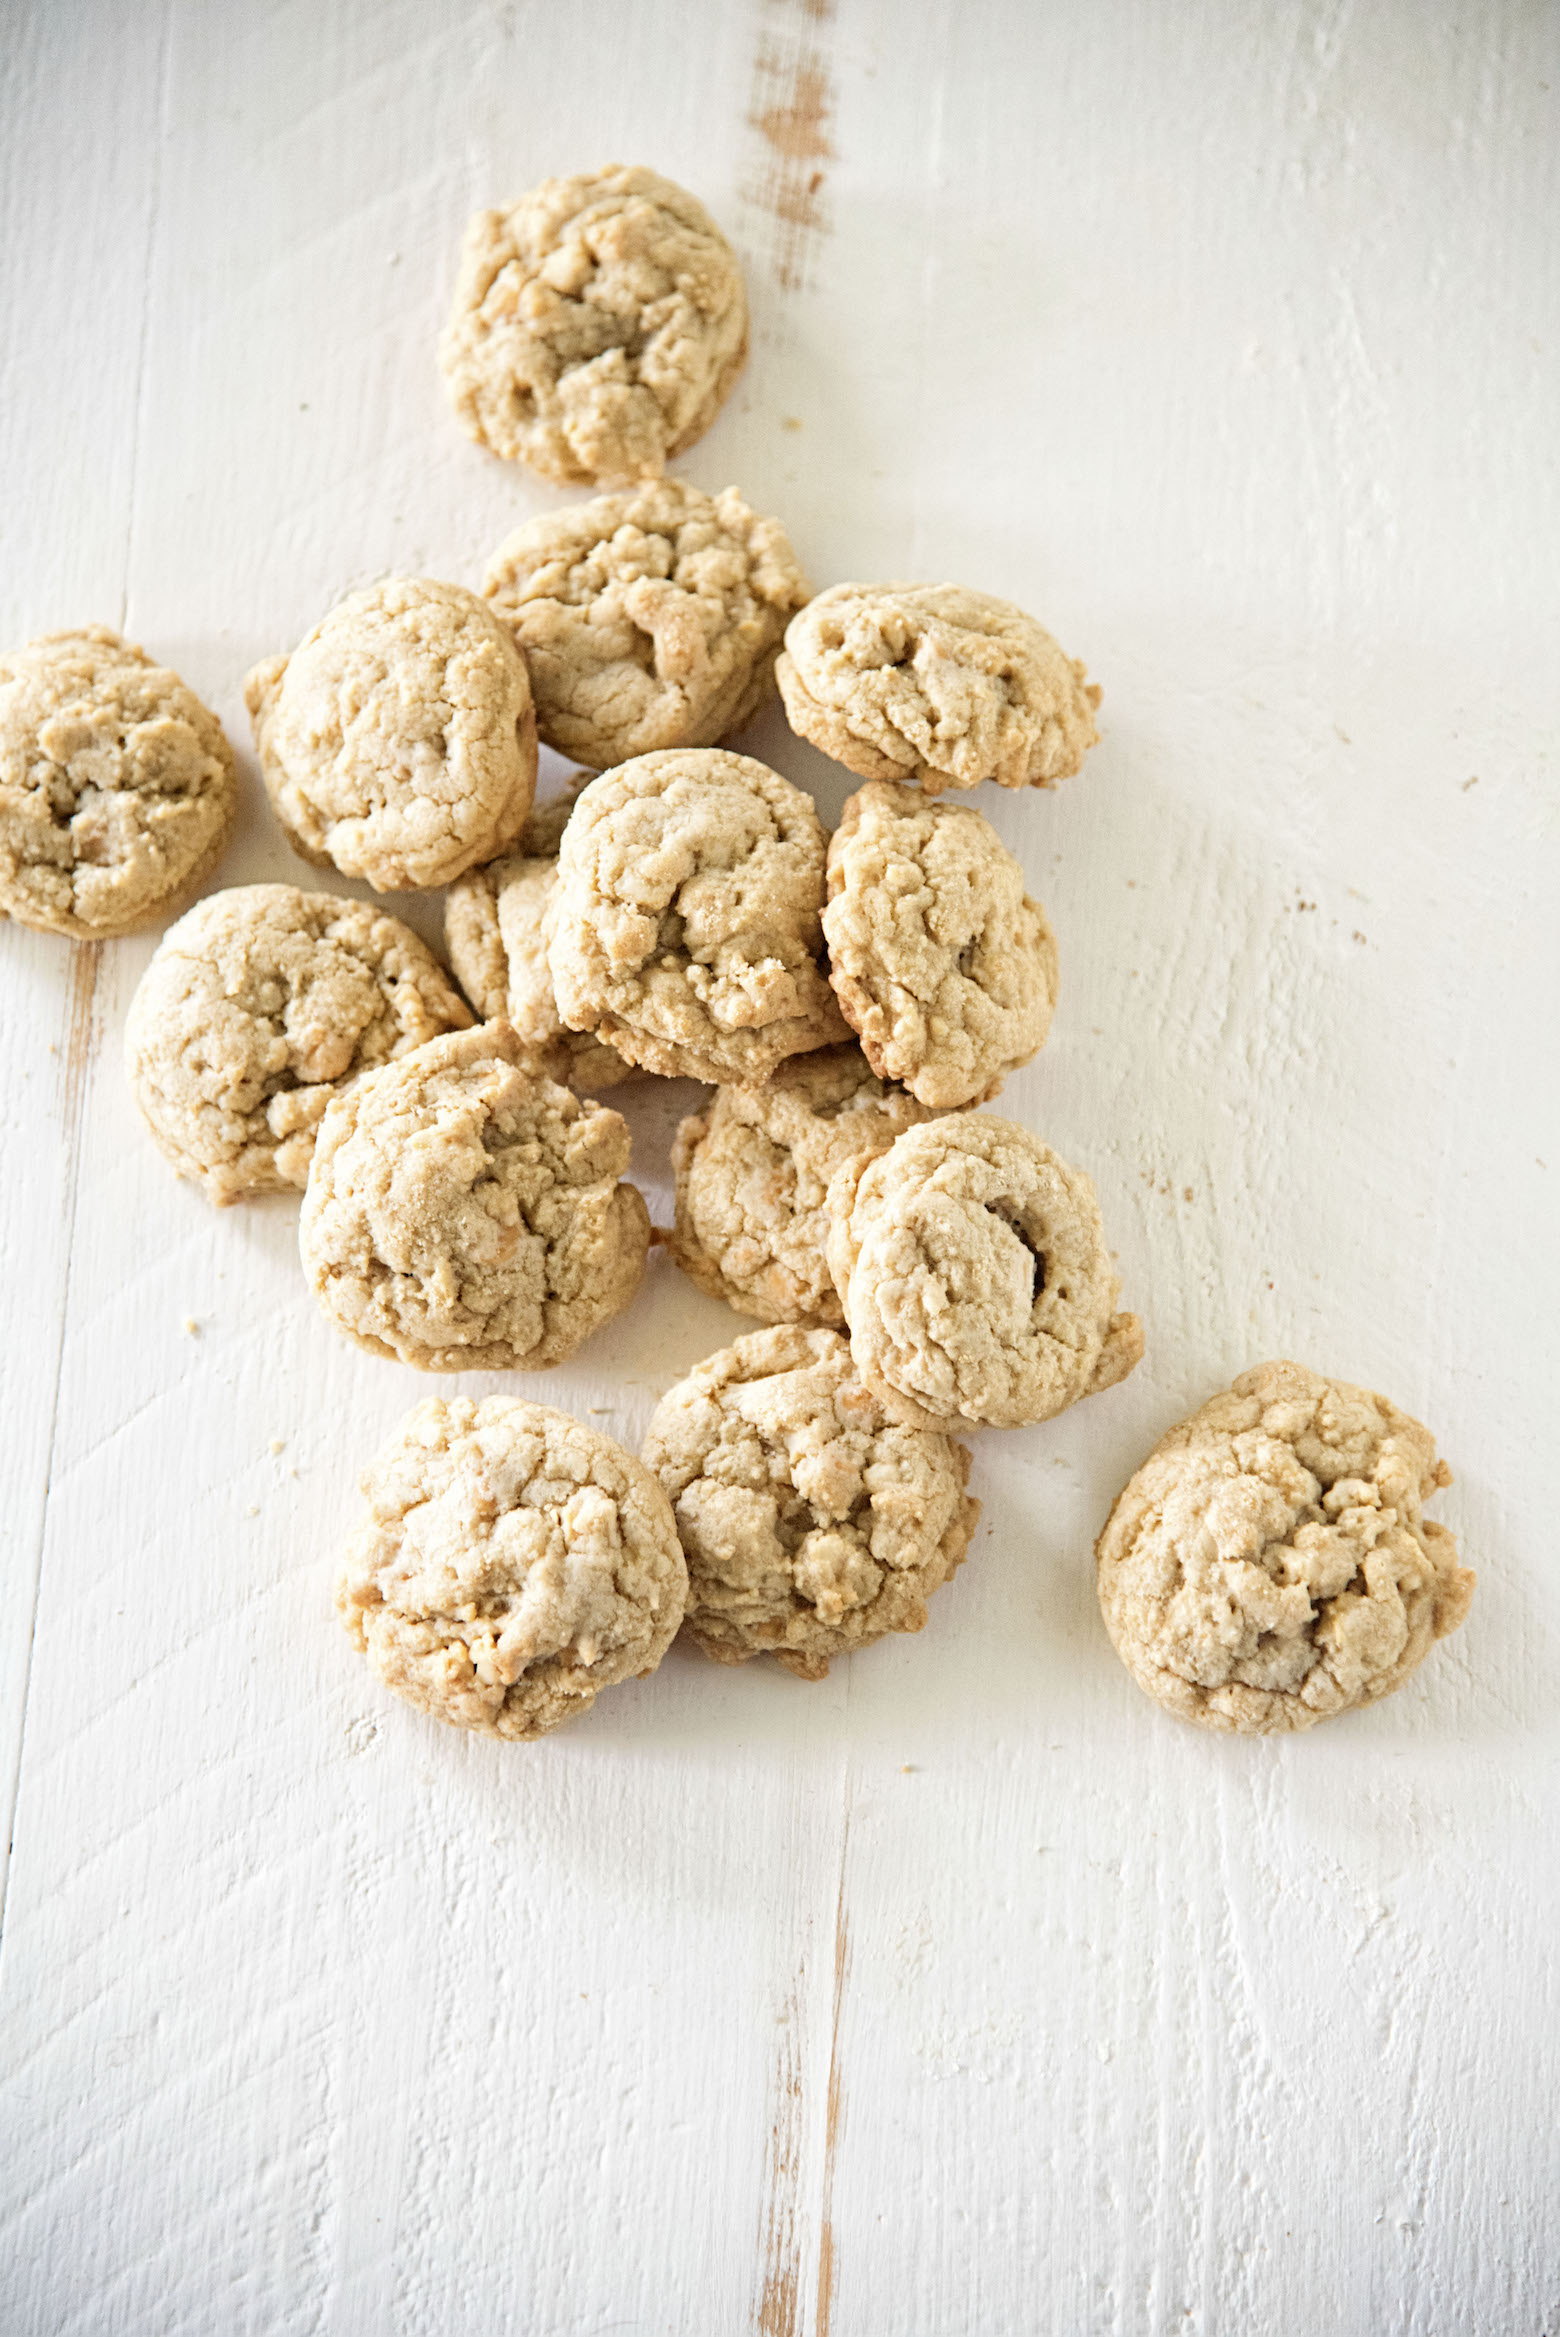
(960, 1991)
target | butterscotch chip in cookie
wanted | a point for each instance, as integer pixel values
(812, 1523)
(598, 324)
(464, 1213)
(1269, 1564)
(753, 1171)
(259, 1006)
(651, 619)
(687, 929)
(935, 685)
(942, 964)
(496, 922)
(117, 787)
(512, 1564)
(398, 741)
(972, 1265)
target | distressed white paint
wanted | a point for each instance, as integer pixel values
(1224, 336)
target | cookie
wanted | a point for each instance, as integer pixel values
(753, 1171)
(687, 930)
(943, 966)
(934, 685)
(463, 1213)
(510, 1566)
(398, 742)
(972, 1266)
(812, 1523)
(1269, 1565)
(598, 324)
(495, 929)
(117, 787)
(647, 620)
(258, 1008)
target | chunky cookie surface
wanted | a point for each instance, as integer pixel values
(598, 324)
(1270, 1565)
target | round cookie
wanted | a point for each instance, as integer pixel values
(935, 685)
(942, 964)
(511, 1565)
(972, 1266)
(687, 929)
(260, 1004)
(597, 326)
(753, 1171)
(464, 1213)
(1269, 1565)
(398, 742)
(117, 787)
(647, 620)
(812, 1523)
(495, 929)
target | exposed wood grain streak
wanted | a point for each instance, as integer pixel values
(831, 2131)
(792, 108)
(779, 2235)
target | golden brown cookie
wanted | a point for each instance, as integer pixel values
(942, 964)
(398, 741)
(1269, 1565)
(598, 324)
(687, 929)
(812, 1523)
(511, 1565)
(117, 787)
(650, 619)
(753, 1171)
(464, 1213)
(259, 1006)
(496, 922)
(935, 685)
(972, 1265)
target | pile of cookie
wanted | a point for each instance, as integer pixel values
(922, 1265)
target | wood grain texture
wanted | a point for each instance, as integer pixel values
(960, 1993)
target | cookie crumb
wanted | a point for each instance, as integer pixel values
(278, 1444)
(191, 1325)
(1187, 1194)
(790, 422)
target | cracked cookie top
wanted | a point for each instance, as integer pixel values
(972, 1265)
(117, 787)
(942, 964)
(597, 326)
(465, 1213)
(812, 1523)
(512, 1563)
(935, 685)
(1269, 1564)
(398, 741)
(650, 619)
(259, 1006)
(753, 1171)
(687, 929)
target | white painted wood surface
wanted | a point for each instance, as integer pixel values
(964, 1992)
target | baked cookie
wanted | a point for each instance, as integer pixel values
(647, 620)
(812, 1524)
(942, 964)
(753, 1171)
(1269, 1565)
(935, 685)
(259, 1006)
(972, 1265)
(687, 929)
(495, 929)
(117, 788)
(598, 324)
(464, 1213)
(511, 1565)
(398, 742)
